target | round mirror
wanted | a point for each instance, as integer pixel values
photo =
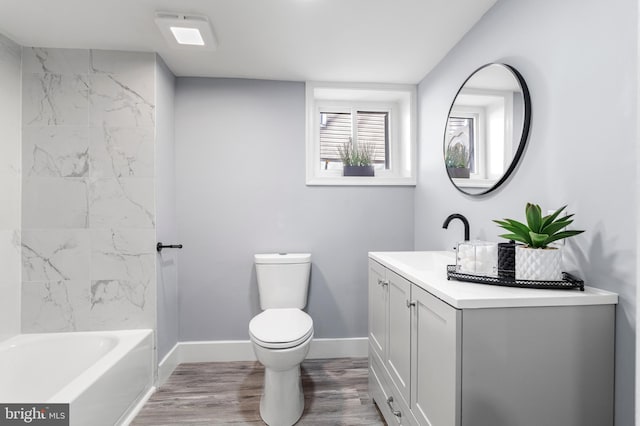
(487, 129)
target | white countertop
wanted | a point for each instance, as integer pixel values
(427, 269)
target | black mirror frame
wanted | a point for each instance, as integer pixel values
(523, 137)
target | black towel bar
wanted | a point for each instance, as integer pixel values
(160, 246)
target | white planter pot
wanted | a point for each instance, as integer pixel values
(538, 264)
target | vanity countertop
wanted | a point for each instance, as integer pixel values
(427, 269)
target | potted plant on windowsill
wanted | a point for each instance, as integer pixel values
(356, 161)
(457, 160)
(536, 259)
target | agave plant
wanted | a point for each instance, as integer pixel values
(539, 231)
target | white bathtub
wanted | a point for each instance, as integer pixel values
(102, 375)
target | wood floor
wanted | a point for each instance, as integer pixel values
(223, 393)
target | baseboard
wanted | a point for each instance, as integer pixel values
(352, 347)
(168, 364)
(242, 350)
(131, 415)
(216, 351)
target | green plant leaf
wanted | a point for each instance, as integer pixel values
(534, 216)
(523, 236)
(552, 228)
(524, 229)
(512, 224)
(561, 235)
(505, 225)
(516, 228)
(565, 221)
(538, 240)
(549, 219)
(563, 218)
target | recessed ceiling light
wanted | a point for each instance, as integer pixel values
(190, 36)
(186, 31)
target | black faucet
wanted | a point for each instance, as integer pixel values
(464, 220)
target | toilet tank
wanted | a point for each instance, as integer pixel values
(283, 279)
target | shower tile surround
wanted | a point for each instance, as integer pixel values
(9, 188)
(88, 182)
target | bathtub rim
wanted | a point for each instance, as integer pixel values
(127, 341)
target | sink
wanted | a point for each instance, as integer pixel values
(425, 260)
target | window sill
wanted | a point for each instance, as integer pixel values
(360, 181)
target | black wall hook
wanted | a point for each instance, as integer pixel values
(160, 246)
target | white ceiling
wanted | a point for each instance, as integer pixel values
(388, 41)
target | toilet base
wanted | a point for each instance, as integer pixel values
(282, 401)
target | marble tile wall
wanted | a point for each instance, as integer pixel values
(9, 187)
(88, 207)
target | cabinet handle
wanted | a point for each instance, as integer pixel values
(382, 282)
(411, 303)
(396, 413)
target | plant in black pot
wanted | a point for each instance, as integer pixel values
(357, 160)
(536, 259)
(456, 158)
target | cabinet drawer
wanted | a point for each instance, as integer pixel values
(386, 396)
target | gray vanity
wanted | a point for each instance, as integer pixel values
(449, 353)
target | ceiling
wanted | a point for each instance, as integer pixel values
(387, 41)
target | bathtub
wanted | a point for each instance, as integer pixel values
(101, 375)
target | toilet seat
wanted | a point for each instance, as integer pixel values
(281, 328)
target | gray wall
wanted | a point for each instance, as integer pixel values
(10, 104)
(579, 60)
(166, 229)
(241, 190)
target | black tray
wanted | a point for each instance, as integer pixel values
(568, 281)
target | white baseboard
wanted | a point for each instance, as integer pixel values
(352, 347)
(168, 364)
(242, 350)
(216, 351)
(128, 418)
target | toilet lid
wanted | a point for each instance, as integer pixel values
(281, 328)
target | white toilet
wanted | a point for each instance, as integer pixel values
(282, 333)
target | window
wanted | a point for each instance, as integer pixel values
(378, 117)
(371, 128)
(481, 122)
(461, 131)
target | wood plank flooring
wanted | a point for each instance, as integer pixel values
(224, 393)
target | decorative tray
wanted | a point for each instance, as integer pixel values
(568, 281)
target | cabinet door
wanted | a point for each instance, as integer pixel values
(398, 361)
(378, 309)
(435, 351)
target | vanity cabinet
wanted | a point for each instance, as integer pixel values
(486, 358)
(408, 324)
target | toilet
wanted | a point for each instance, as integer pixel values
(281, 333)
